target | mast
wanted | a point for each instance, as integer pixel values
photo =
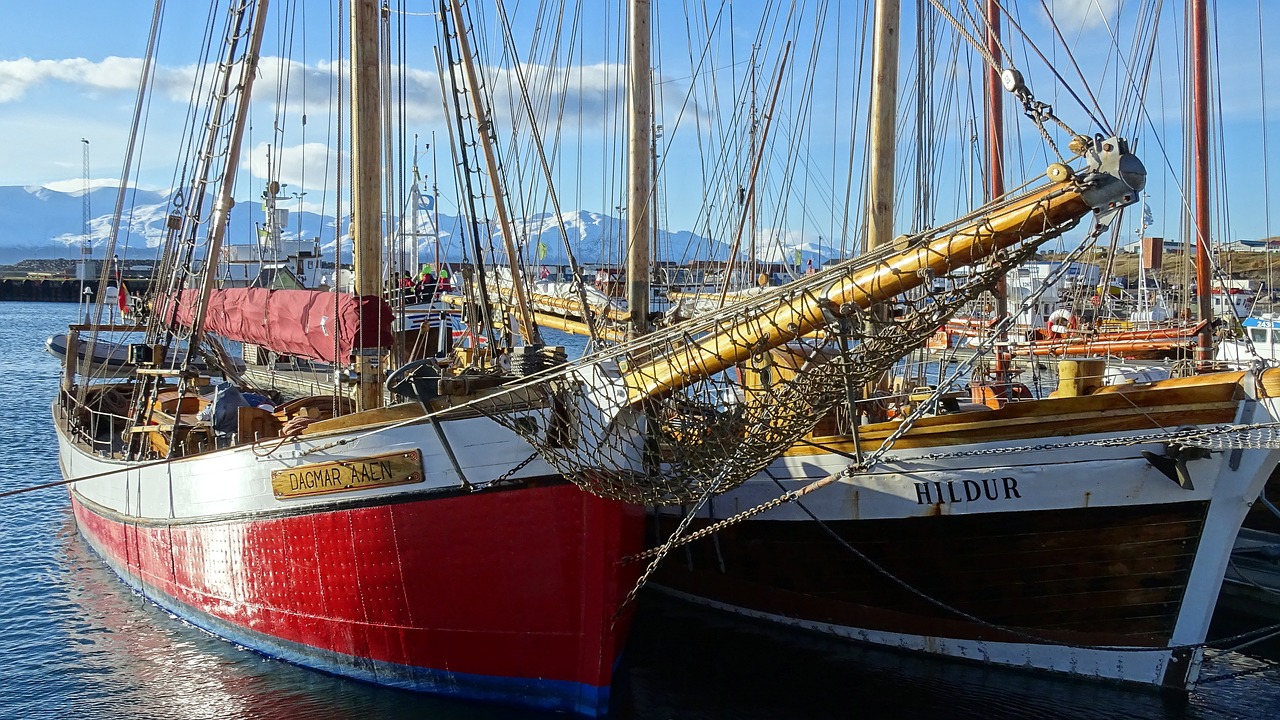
(1200, 171)
(86, 244)
(528, 330)
(754, 125)
(884, 113)
(995, 170)
(638, 170)
(366, 174)
(222, 206)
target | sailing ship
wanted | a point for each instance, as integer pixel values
(416, 545)
(1086, 534)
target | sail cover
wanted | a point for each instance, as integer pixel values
(302, 323)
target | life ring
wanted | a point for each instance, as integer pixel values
(1061, 321)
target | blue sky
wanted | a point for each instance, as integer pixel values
(67, 71)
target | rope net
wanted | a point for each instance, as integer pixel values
(699, 407)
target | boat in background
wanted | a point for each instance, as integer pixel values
(1259, 343)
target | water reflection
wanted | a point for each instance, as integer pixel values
(688, 662)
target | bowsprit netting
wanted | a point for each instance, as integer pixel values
(701, 406)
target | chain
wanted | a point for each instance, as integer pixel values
(506, 476)
(661, 552)
(1219, 437)
(783, 499)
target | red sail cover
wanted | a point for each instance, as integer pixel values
(294, 322)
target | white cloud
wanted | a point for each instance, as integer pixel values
(113, 73)
(595, 91)
(294, 163)
(1077, 14)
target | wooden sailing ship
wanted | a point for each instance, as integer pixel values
(417, 545)
(1085, 534)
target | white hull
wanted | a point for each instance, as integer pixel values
(237, 480)
(915, 503)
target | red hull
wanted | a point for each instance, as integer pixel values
(506, 595)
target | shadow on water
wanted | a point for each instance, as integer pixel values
(689, 662)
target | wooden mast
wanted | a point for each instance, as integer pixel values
(222, 206)
(639, 169)
(995, 176)
(528, 330)
(366, 172)
(1200, 170)
(884, 115)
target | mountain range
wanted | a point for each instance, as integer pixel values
(40, 223)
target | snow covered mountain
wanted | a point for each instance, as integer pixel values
(37, 222)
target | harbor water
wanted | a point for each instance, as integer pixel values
(75, 642)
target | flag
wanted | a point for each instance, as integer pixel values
(799, 257)
(426, 203)
(1147, 219)
(542, 250)
(123, 298)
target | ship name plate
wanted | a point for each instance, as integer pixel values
(400, 468)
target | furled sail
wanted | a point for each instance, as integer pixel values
(303, 323)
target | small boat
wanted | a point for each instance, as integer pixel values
(111, 357)
(1258, 343)
(1140, 344)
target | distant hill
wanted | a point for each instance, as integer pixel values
(36, 223)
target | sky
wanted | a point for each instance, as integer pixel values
(68, 71)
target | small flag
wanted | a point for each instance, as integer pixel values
(426, 203)
(1147, 218)
(799, 257)
(123, 298)
(542, 250)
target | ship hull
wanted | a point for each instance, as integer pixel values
(1073, 558)
(507, 594)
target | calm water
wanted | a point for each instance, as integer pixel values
(76, 643)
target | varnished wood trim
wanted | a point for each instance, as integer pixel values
(1167, 404)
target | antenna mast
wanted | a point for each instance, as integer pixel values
(86, 244)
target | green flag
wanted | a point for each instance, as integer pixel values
(542, 250)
